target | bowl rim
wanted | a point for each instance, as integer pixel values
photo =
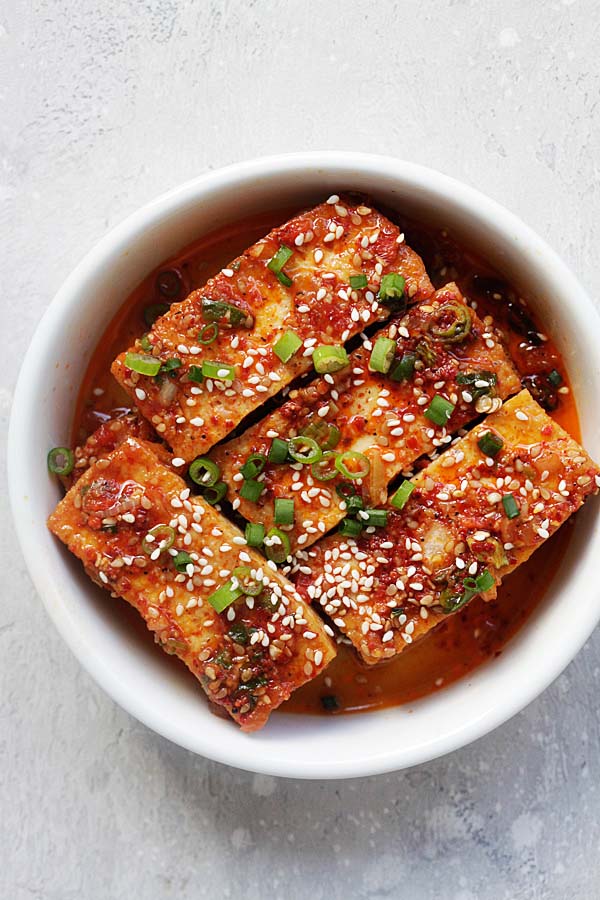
(105, 251)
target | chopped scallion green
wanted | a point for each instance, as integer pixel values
(251, 490)
(255, 534)
(211, 368)
(329, 358)
(254, 465)
(283, 511)
(277, 262)
(143, 363)
(511, 507)
(204, 471)
(403, 369)
(439, 410)
(376, 517)
(277, 545)
(182, 560)
(215, 493)
(400, 498)
(358, 281)
(392, 288)
(224, 596)
(350, 527)
(288, 344)
(60, 461)
(278, 451)
(304, 449)
(353, 465)
(490, 444)
(382, 355)
(208, 334)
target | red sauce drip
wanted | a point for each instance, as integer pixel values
(481, 630)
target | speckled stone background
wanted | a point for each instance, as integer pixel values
(103, 106)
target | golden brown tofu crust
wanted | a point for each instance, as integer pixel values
(248, 658)
(330, 243)
(382, 418)
(392, 586)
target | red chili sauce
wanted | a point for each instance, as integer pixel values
(480, 631)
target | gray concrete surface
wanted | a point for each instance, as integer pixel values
(104, 105)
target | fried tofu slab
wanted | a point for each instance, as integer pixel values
(442, 349)
(236, 623)
(216, 348)
(474, 514)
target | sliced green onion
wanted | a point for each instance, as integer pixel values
(254, 465)
(164, 538)
(345, 489)
(329, 358)
(250, 585)
(214, 493)
(224, 596)
(204, 471)
(221, 371)
(490, 444)
(208, 334)
(326, 435)
(238, 633)
(376, 517)
(277, 262)
(195, 374)
(255, 534)
(182, 560)
(404, 368)
(154, 312)
(225, 313)
(143, 363)
(439, 410)
(284, 511)
(277, 545)
(392, 288)
(400, 498)
(251, 490)
(451, 322)
(324, 469)
(511, 507)
(425, 352)
(170, 365)
(287, 345)
(358, 461)
(354, 504)
(555, 378)
(145, 343)
(60, 461)
(278, 451)
(478, 384)
(358, 281)
(350, 527)
(382, 355)
(471, 587)
(304, 449)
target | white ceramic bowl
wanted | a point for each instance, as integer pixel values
(128, 665)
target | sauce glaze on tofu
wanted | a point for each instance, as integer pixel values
(286, 307)
(371, 413)
(471, 517)
(141, 535)
(217, 346)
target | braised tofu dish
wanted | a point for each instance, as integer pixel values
(327, 466)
